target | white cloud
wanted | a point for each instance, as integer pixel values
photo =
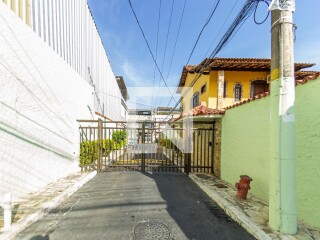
(132, 75)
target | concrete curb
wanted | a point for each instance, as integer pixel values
(232, 211)
(45, 208)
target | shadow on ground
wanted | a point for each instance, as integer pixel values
(113, 205)
(193, 211)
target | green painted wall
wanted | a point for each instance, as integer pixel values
(245, 145)
(245, 148)
(308, 152)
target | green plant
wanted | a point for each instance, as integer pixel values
(89, 149)
(166, 143)
(119, 136)
(88, 152)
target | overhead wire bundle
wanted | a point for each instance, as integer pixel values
(249, 7)
(215, 6)
(149, 48)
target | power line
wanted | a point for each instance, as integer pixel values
(244, 13)
(154, 71)
(175, 45)
(149, 47)
(255, 12)
(215, 6)
(224, 23)
(125, 101)
(165, 49)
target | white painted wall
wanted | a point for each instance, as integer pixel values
(41, 97)
(68, 27)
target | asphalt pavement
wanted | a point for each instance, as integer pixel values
(135, 206)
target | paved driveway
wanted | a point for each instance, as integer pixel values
(137, 206)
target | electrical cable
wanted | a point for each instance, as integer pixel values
(175, 45)
(215, 36)
(157, 42)
(127, 100)
(224, 23)
(215, 6)
(295, 27)
(244, 13)
(147, 43)
(255, 12)
(165, 49)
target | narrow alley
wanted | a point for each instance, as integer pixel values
(137, 206)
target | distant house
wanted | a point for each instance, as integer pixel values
(125, 97)
(226, 81)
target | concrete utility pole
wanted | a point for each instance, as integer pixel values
(282, 199)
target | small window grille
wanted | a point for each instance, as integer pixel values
(237, 92)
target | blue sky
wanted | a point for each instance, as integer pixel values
(129, 55)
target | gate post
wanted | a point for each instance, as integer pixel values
(143, 155)
(187, 146)
(99, 145)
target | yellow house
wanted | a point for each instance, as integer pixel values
(225, 81)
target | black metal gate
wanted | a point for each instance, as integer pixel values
(145, 146)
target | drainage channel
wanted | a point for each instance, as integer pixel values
(217, 211)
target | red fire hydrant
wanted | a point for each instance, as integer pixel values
(243, 186)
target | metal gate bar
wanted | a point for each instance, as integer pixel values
(144, 146)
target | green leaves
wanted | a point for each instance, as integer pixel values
(89, 149)
(119, 136)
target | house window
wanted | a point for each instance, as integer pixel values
(225, 90)
(237, 92)
(204, 88)
(258, 87)
(195, 100)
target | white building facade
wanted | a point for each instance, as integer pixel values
(46, 84)
(68, 28)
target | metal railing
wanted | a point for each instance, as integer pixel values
(144, 146)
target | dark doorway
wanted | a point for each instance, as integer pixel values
(258, 87)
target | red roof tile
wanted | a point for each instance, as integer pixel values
(233, 64)
(304, 76)
(248, 100)
(201, 110)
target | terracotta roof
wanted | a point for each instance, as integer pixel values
(201, 110)
(233, 64)
(247, 64)
(304, 76)
(186, 69)
(248, 100)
